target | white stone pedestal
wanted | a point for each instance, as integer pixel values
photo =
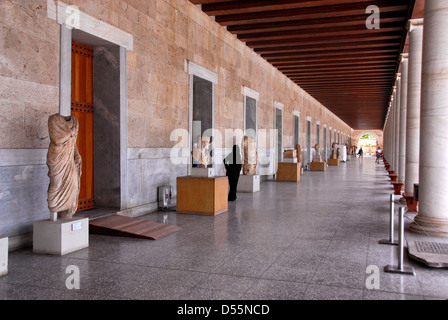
(248, 184)
(202, 172)
(3, 256)
(60, 237)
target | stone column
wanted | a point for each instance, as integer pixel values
(397, 124)
(433, 176)
(387, 145)
(413, 110)
(403, 106)
(391, 130)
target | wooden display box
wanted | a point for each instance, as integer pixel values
(288, 172)
(333, 162)
(290, 154)
(318, 166)
(197, 195)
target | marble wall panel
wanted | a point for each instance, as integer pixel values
(23, 197)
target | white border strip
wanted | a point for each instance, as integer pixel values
(278, 105)
(201, 72)
(250, 93)
(63, 13)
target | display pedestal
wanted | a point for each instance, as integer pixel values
(203, 172)
(3, 256)
(333, 162)
(397, 187)
(249, 184)
(288, 172)
(318, 166)
(60, 237)
(206, 196)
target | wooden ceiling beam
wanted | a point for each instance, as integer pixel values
(377, 35)
(343, 77)
(324, 73)
(284, 57)
(355, 20)
(299, 66)
(339, 10)
(320, 32)
(339, 68)
(338, 58)
(250, 6)
(391, 43)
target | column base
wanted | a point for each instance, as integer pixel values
(411, 202)
(397, 187)
(3, 256)
(393, 177)
(430, 226)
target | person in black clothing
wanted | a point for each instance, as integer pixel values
(233, 165)
(360, 152)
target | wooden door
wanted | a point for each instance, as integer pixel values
(82, 108)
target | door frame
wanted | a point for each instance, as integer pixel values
(96, 29)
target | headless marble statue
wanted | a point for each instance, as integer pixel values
(250, 156)
(64, 167)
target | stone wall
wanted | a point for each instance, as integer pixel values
(166, 36)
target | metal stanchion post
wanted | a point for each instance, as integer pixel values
(391, 240)
(400, 268)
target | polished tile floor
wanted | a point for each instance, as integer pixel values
(291, 241)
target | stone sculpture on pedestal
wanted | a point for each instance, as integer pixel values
(299, 153)
(317, 156)
(250, 156)
(201, 152)
(64, 164)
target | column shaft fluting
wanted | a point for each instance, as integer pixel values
(403, 110)
(413, 105)
(433, 175)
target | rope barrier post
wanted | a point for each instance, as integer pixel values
(391, 240)
(401, 269)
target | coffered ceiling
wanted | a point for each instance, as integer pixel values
(326, 47)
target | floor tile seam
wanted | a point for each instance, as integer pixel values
(274, 260)
(197, 285)
(35, 284)
(366, 290)
(325, 254)
(261, 275)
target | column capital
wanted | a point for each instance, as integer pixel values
(404, 57)
(415, 23)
